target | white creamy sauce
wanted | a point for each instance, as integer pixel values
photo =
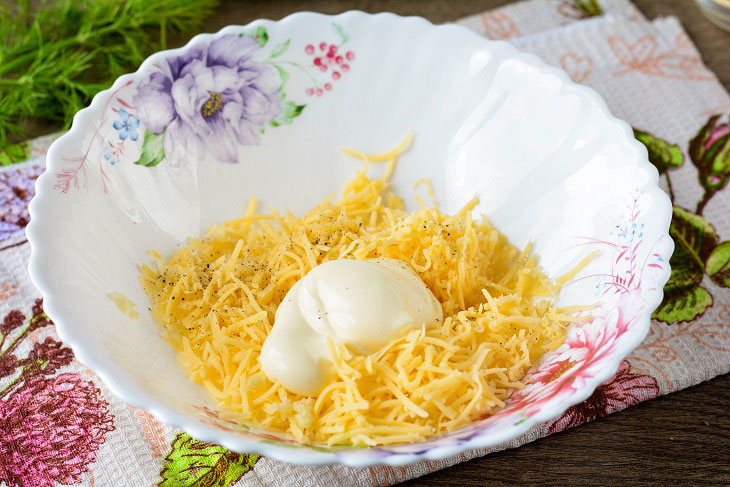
(364, 303)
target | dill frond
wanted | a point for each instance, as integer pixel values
(55, 57)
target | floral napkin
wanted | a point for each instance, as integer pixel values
(60, 425)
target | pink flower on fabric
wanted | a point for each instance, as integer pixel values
(623, 390)
(51, 430)
(46, 357)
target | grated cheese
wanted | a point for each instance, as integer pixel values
(124, 304)
(216, 298)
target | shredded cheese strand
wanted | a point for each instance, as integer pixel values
(216, 297)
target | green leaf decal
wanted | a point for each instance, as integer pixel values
(195, 463)
(284, 75)
(152, 150)
(338, 30)
(10, 154)
(695, 234)
(718, 265)
(662, 154)
(291, 111)
(261, 36)
(281, 48)
(683, 304)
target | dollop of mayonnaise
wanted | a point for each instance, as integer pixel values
(364, 303)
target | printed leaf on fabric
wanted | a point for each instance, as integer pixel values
(694, 239)
(662, 154)
(718, 265)
(195, 463)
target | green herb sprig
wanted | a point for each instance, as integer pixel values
(55, 57)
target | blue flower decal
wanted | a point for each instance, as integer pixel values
(110, 156)
(127, 125)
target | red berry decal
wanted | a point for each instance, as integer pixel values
(326, 55)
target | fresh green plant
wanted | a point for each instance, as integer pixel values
(54, 57)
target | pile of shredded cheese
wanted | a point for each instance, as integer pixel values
(217, 296)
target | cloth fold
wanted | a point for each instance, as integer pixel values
(63, 425)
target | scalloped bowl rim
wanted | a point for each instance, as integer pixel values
(125, 390)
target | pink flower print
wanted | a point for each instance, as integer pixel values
(8, 364)
(7, 291)
(499, 25)
(12, 320)
(51, 430)
(638, 55)
(46, 358)
(623, 390)
(578, 67)
(643, 55)
(586, 343)
(579, 359)
(39, 319)
(682, 41)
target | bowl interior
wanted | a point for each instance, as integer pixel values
(547, 161)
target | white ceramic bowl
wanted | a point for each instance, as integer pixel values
(548, 161)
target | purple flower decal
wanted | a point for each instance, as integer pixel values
(127, 125)
(50, 430)
(212, 98)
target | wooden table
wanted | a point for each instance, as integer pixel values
(680, 439)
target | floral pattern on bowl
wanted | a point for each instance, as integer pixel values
(211, 98)
(261, 110)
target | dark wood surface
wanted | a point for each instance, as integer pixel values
(680, 439)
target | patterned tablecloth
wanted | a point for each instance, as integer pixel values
(60, 425)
